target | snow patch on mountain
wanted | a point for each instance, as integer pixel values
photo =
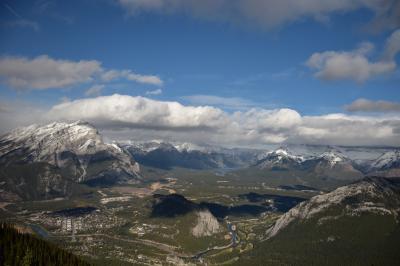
(188, 147)
(332, 158)
(387, 160)
(63, 144)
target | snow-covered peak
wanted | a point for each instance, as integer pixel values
(148, 146)
(144, 146)
(387, 160)
(62, 144)
(333, 157)
(75, 130)
(186, 146)
(283, 153)
(279, 158)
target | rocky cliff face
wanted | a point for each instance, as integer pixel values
(206, 225)
(371, 195)
(75, 150)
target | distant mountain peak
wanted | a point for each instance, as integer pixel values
(387, 160)
(333, 157)
(67, 145)
(280, 158)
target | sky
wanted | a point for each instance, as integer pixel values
(226, 72)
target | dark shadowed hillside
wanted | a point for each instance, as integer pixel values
(24, 249)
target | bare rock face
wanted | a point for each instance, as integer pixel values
(374, 195)
(207, 224)
(76, 148)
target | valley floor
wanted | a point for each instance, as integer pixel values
(132, 225)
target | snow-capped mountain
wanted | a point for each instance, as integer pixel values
(331, 164)
(75, 148)
(188, 155)
(145, 146)
(388, 160)
(333, 158)
(379, 196)
(188, 147)
(280, 159)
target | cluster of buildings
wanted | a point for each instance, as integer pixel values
(142, 229)
(88, 223)
(70, 224)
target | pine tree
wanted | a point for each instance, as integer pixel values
(28, 258)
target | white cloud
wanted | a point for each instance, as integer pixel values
(129, 75)
(268, 13)
(223, 102)
(138, 112)
(392, 46)
(268, 120)
(95, 90)
(364, 105)
(43, 72)
(355, 65)
(340, 129)
(127, 117)
(154, 92)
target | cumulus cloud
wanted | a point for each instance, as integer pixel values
(43, 72)
(355, 65)
(268, 13)
(154, 92)
(364, 105)
(223, 102)
(128, 117)
(139, 112)
(340, 129)
(129, 75)
(95, 90)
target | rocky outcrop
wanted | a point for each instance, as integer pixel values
(372, 194)
(207, 224)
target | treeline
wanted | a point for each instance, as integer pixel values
(27, 250)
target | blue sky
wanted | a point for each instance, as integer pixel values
(234, 62)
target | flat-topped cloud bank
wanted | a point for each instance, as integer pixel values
(135, 117)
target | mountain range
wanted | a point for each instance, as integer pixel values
(50, 160)
(339, 162)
